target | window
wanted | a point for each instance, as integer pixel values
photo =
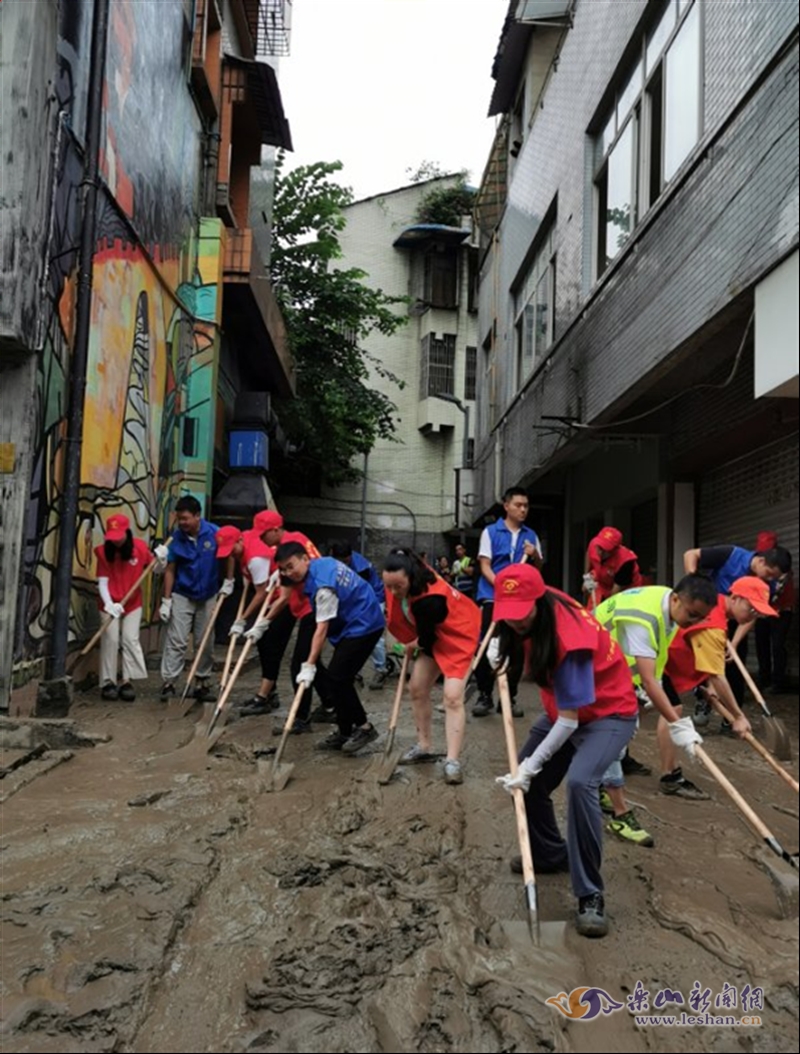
(441, 277)
(437, 375)
(653, 125)
(534, 304)
(471, 374)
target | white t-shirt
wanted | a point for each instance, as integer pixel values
(326, 604)
(258, 568)
(485, 545)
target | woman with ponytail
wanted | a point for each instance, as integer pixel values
(424, 611)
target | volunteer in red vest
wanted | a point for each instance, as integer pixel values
(121, 559)
(610, 566)
(772, 634)
(697, 654)
(590, 715)
(255, 562)
(293, 607)
(426, 612)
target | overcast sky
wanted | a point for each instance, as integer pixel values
(383, 85)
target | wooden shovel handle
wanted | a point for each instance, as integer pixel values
(523, 835)
(756, 744)
(232, 642)
(744, 808)
(226, 691)
(398, 695)
(288, 725)
(751, 684)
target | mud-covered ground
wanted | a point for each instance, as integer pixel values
(158, 898)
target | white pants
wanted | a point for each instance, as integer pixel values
(188, 616)
(133, 664)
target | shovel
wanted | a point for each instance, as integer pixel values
(756, 744)
(775, 731)
(279, 775)
(388, 763)
(528, 875)
(248, 643)
(752, 818)
(136, 585)
(232, 642)
(179, 707)
(472, 684)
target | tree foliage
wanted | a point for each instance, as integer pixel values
(448, 204)
(328, 312)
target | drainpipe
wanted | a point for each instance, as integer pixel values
(62, 586)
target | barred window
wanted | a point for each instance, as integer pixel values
(471, 373)
(438, 368)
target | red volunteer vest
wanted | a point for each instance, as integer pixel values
(680, 666)
(456, 637)
(612, 678)
(299, 602)
(605, 572)
(122, 575)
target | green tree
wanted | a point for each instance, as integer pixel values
(328, 313)
(448, 204)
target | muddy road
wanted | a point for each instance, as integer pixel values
(156, 898)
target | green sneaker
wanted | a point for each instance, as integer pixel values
(627, 827)
(605, 802)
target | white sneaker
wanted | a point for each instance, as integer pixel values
(453, 772)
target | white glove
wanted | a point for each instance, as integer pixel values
(114, 610)
(258, 630)
(238, 628)
(161, 552)
(307, 673)
(493, 656)
(589, 582)
(683, 734)
(526, 770)
(226, 588)
(165, 611)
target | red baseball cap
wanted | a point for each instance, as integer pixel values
(608, 539)
(766, 540)
(227, 537)
(117, 527)
(756, 591)
(268, 520)
(516, 587)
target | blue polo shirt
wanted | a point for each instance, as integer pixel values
(195, 559)
(359, 611)
(364, 569)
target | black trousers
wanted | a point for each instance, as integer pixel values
(272, 647)
(336, 681)
(484, 674)
(771, 637)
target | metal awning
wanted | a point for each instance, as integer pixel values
(421, 234)
(265, 94)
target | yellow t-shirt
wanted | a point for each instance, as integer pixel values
(708, 646)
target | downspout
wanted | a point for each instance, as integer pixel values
(62, 587)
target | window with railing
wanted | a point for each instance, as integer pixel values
(534, 304)
(438, 366)
(470, 373)
(651, 128)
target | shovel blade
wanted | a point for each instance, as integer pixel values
(386, 767)
(278, 777)
(777, 738)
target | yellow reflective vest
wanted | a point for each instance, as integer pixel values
(645, 607)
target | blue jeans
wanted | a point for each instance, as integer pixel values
(583, 759)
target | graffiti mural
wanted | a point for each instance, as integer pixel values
(153, 348)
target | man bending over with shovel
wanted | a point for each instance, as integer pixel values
(346, 613)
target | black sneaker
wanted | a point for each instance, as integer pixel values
(256, 707)
(359, 739)
(323, 716)
(483, 706)
(298, 728)
(167, 691)
(676, 785)
(591, 920)
(126, 693)
(632, 767)
(379, 680)
(274, 699)
(204, 693)
(515, 864)
(109, 691)
(726, 728)
(516, 709)
(334, 741)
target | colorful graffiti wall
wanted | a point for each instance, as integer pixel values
(153, 350)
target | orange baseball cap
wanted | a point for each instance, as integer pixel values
(227, 537)
(756, 591)
(516, 587)
(268, 520)
(608, 539)
(117, 527)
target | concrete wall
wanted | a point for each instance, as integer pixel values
(729, 215)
